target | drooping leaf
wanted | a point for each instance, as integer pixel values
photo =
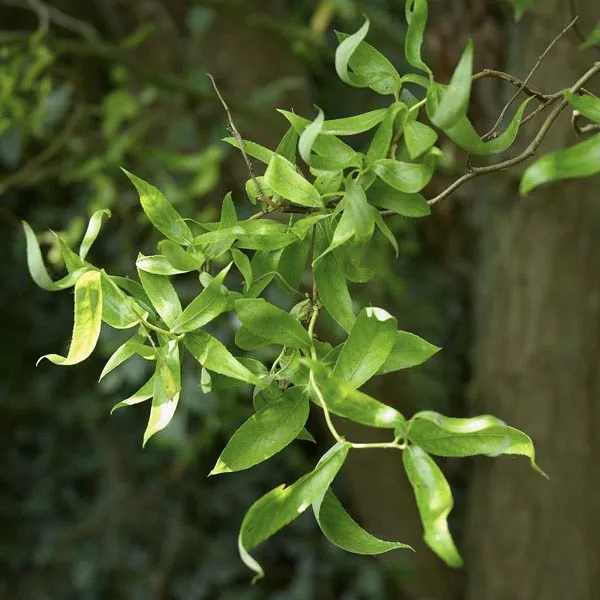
(434, 501)
(282, 178)
(455, 98)
(222, 382)
(265, 433)
(405, 177)
(419, 138)
(341, 529)
(331, 281)
(37, 269)
(167, 387)
(416, 17)
(180, 260)
(163, 296)
(369, 67)
(328, 182)
(88, 320)
(70, 258)
(309, 135)
(463, 134)
(345, 401)
(264, 266)
(447, 436)
(409, 350)
(293, 262)
(248, 340)
(367, 348)
(211, 302)
(271, 323)
(252, 149)
(283, 504)
(160, 212)
(242, 262)
(386, 231)
(144, 393)
(92, 231)
(581, 160)
(380, 144)
(214, 356)
(407, 205)
(287, 145)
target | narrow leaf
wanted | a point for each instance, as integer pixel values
(416, 17)
(144, 393)
(117, 308)
(163, 296)
(593, 39)
(92, 231)
(125, 351)
(309, 135)
(408, 205)
(283, 504)
(419, 138)
(405, 177)
(252, 149)
(157, 265)
(434, 501)
(409, 350)
(160, 212)
(283, 179)
(88, 320)
(340, 529)
(356, 124)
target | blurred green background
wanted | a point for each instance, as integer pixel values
(89, 86)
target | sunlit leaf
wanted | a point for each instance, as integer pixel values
(167, 387)
(157, 265)
(356, 124)
(160, 212)
(419, 138)
(125, 351)
(588, 106)
(92, 231)
(434, 501)
(117, 308)
(405, 177)
(283, 504)
(88, 319)
(144, 393)
(309, 135)
(282, 178)
(163, 296)
(252, 149)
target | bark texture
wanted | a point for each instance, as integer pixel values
(537, 349)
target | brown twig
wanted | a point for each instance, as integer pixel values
(240, 141)
(523, 87)
(538, 62)
(582, 129)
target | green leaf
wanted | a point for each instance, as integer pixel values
(416, 17)
(211, 302)
(345, 401)
(386, 231)
(328, 182)
(369, 67)
(308, 137)
(455, 98)
(447, 436)
(264, 266)
(287, 145)
(367, 348)
(222, 382)
(380, 144)
(180, 260)
(135, 289)
(293, 262)
(419, 138)
(271, 323)
(160, 212)
(252, 149)
(167, 387)
(521, 6)
(144, 393)
(341, 530)
(242, 262)
(125, 351)
(118, 308)
(71, 259)
(163, 296)
(434, 501)
(593, 39)
(405, 177)
(265, 433)
(409, 350)
(588, 106)
(463, 134)
(213, 355)
(408, 205)
(581, 160)
(331, 281)
(283, 504)
(157, 265)
(248, 340)
(283, 179)
(37, 269)
(92, 231)
(356, 124)
(228, 214)
(88, 320)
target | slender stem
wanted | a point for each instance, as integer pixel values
(394, 445)
(169, 334)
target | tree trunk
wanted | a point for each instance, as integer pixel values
(537, 348)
